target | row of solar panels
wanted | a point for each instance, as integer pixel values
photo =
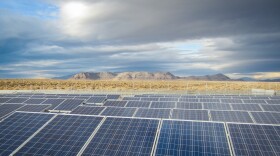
(202, 115)
(52, 134)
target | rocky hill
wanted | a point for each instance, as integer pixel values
(144, 76)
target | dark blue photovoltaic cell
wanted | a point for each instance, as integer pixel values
(277, 102)
(96, 99)
(153, 113)
(187, 105)
(266, 117)
(34, 101)
(19, 127)
(64, 135)
(149, 99)
(231, 116)
(231, 101)
(113, 97)
(118, 111)
(8, 108)
(88, 110)
(246, 107)
(190, 114)
(131, 98)
(69, 104)
(34, 108)
(163, 104)
(3, 100)
(115, 103)
(143, 104)
(255, 140)
(254, 101)
(275, 108)
(123, 136)
(192, 138)
(216, 106)
(17, 100)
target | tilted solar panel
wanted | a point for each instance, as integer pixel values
(113, 97)
(192, 138)
(255, 140)
(231, 116)
(17, 100)
(266, 117)
(34, 108)
(64, 135)
(190, 114)
(4, 99)
(246, 107)
(18, 127)
(96, 99)
(255, 101)
(274, 108)
(169, 99)
(149, 99)
(188, 100)
(6, 109)
(231, 101)
(115, 103)
(118, 111)
(123, 136)
(163, 104)
(210, 100)
(139, 104)
(69, 104)
(216, 106)
(131, 98)
(88, 110)
(34, 101)
(188, 105)
(153, 113)
(273, 101)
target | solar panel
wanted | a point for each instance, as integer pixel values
(118, 111)
(192, 138)
(163, 104)
(231, 116)
(17, 100)
(5, 109)
(3, 100)
(188, 96)
(266, 117)
(34, 108)
(188, 105)
(188, 100)
(34, 101)
(273, 101)
(274, 97)
(18, 127)
(82, 97)
(153, 113)
(231, 101)
(216, 106)
(64, 135)
(88, 110)
(38, 96)
(113, 97)
(66, 97)
(69, 104)
(123, 136)
(190, 114)
(169, 99)
(275, 108)
(131, 98)
(149, 99)
(246, 107)
(210, 100)
(255, 139)
(96, 99)
(259, 97)
(50, 96)
(254, 101)
(142, 104)
(53, 101)
(115, 103)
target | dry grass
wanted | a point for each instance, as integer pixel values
(110, 85)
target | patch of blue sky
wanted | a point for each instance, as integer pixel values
(188, 47)
(35, 8)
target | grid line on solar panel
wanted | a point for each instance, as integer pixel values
(115, 103)
(69, 104)
(3, 99)
(188, 105)
(64, 135)
(131, 98)
(231, 116)
(34, 101)
(143, 104)
(266, 117)
(190, 114)
(34, 108)
(153, 113)
(192, 138)
(118, 111)
(155, 104)
(216, 106)
(246, 107)
(88, 110)
(6, 109)
(273, 108)
(123, 136)
(96, 99)
(17, 128)
(17, 100)
(250, 139)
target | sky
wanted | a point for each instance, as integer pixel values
(52, 38)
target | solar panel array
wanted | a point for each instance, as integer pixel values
(148, 124)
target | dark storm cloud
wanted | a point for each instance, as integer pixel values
(142, 35)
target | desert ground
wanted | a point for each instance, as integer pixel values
(136, 85)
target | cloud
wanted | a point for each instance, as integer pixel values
(182, 36)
